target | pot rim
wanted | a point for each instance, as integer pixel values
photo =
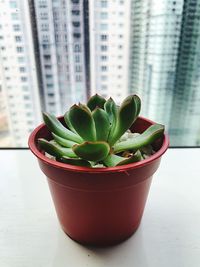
(68, 167)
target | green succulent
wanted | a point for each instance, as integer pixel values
(97, 134)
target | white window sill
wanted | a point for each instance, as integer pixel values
(169, 234)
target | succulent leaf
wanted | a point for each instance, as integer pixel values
(76, 162)
(63, 142)
(135, 158)
(147, 137)
(68, 123)
(111, 109)
(83, 122)
(112, 160)
(55, 150)
(96, 101)
(127, 114)
(92, 151)
(56, 127)
(102, 124)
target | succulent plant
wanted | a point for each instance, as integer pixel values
(97, 134)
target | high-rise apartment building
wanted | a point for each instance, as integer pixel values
(5, 138)
(62, 33)
(155, 35)
(19, 85)
(164, 65)
(185, 117)
(109, 47)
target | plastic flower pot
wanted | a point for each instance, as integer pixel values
(99, 206)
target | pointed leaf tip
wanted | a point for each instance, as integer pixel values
(82, 121)
(96, 100)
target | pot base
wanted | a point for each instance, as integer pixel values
(103, 244)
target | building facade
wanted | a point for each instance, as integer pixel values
(164, 64)
(109, 47)
(155, 34)
(19, 88)
(62, 52)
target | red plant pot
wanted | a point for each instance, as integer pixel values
(99, 206)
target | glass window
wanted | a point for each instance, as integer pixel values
(16, 27)
(103, 26)
(18, 38)
(22, 69)
(104, 15)
(78, 78)
(13, 4)
(19, 49)
(77, 48)
(14, 16)
(56, 50)
(104, 47)
(24, 79)
(21, 59)
(76, 12)
(104, 58)
(76, 24)
(104, 3)
(104, 37)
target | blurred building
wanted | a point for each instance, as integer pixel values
(61, 29)
(19, 88)
(184, 125)
(155, 34)
(109, 47)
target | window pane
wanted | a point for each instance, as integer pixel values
(53, 53)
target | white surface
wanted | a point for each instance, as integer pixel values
(169, 235)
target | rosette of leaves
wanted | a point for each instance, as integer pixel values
(98, 133)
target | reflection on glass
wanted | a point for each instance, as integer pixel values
(55, 53)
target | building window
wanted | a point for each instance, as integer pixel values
(104, 77)
(44, 27)
(104, 87)
(26, 97)
(16, 27)
(77, 48)
(104, 48)
(104, 15)
(13, 4)
(78, 78)
(49, 85)
(78, 68)
(46, 46)
(47, 57)
(75, 1)
(104, 3)
(19, 49)
(75, 12)
(14, 16)
(104, 68)
(18, 39)
(103, 26)
(51, 94)
(77, 58)
(77, 35)
(22, 69)
(76, 24)
(47, 67)
(104, 58)
(21, 59)
(44, 15)
(104, 37)
(24, 79)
